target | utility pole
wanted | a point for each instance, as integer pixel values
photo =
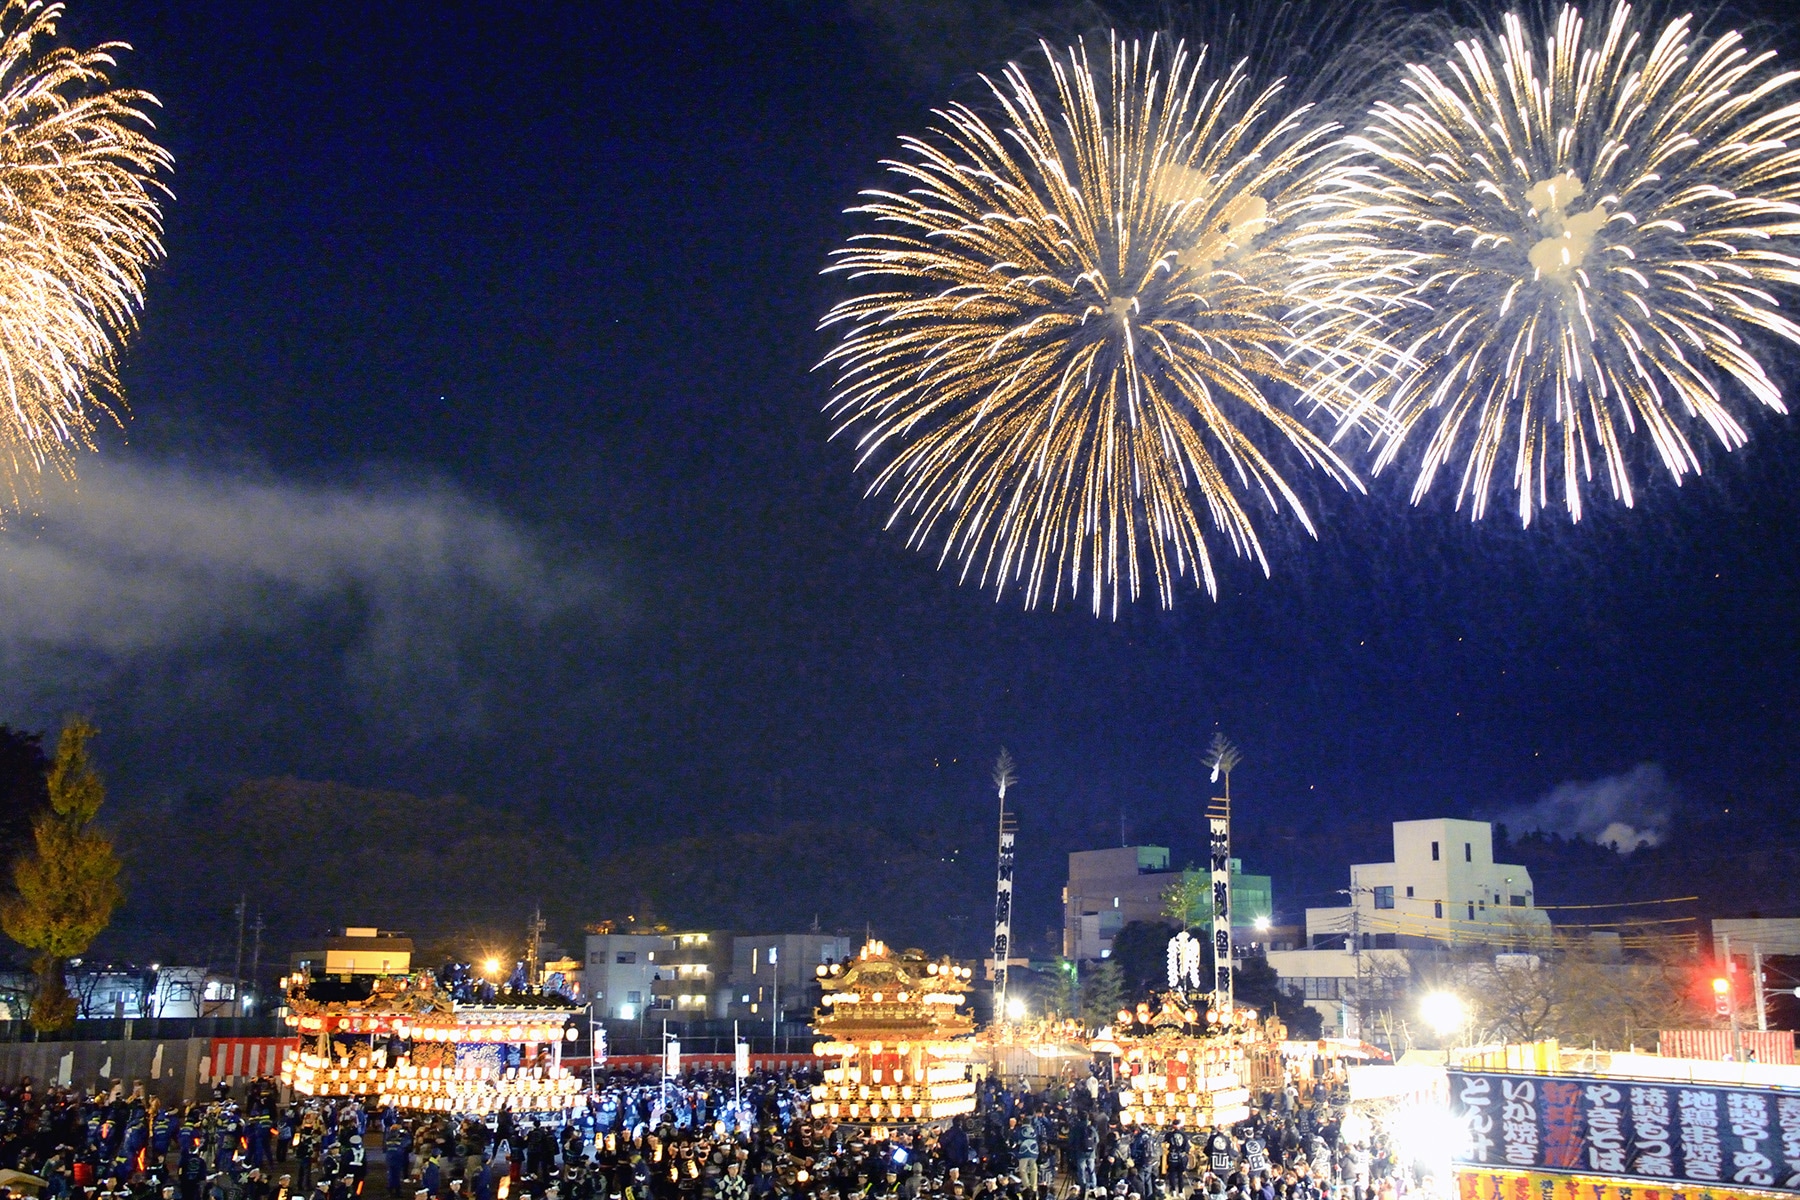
(256, 952)
(1756, 979)
(1352, 1004)
(237, 969)
(534, 945)
(1737, 1032)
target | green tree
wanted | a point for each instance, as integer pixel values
(22, 790)
(68, 887)
(1255, 984)
(1141, 950)
(1189, 900)
(1064, 994)
(1102, 995)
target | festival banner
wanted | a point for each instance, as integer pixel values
(1476, 1184)
(1688, 1138)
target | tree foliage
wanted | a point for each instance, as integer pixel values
(1188, 901)
(1102, 995)
(68, 885)
(1578, 989)
(1141, 952)
(23, 791)
(1256, 984)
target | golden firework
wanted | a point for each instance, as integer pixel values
(79, 226)
(1577, 238)
(1073, 350)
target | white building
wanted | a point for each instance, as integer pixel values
(620, 968)
(1443, 889)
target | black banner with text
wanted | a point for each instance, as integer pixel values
(1659, 1131)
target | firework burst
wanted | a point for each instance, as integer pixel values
(1072, 359)
(79, 227)
(1579, 237)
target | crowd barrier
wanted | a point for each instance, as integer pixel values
(183, 1069)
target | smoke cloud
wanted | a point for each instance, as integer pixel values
(296, 612)
(1623, 811)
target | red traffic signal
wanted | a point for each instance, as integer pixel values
(1722, 996)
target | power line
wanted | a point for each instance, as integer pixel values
(1621, 903)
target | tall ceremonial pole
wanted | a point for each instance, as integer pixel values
(1223, 756)
(1005, 776)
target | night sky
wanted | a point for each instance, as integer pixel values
(474, 448)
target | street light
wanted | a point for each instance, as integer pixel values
(1443, 1011)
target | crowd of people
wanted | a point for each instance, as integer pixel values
(703, 1137)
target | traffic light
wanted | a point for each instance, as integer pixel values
(1722, 996)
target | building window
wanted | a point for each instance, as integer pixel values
(626, 956)
(1437, 908)
(1518, 901)
(1471, 911)
(1386, 941)
(634, 997)
(1468, 852)
(1434, 852)
(1330, 941)
(596, 958)
(1384, 897)
(1484, 904)
(1409, 894)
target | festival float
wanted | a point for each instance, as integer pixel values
(1188, 1063)
(402, 1041)
(893, 1022)
(1036, 1049)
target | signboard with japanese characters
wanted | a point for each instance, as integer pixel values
(1679, 1135)
(1474, 1183)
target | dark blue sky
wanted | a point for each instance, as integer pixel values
(553, 270)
